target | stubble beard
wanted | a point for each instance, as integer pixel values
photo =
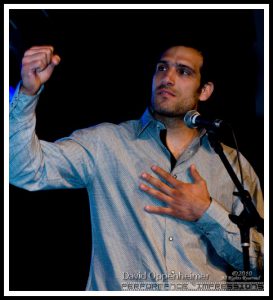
(177, 110)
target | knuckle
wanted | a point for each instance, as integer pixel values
(157, 194)
(44, 56)
(203, 182)
(48, 52)
(159, 184)
(24, 61)
(40, 63)
(147, 176)
(179, 185)
(26, 53)
(174, 193)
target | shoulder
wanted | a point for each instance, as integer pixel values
(248, 169)
(107, 131)
(232, 156)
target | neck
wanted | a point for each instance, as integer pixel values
(175, 125)
(179, 136)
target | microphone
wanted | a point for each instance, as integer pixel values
(194, 120)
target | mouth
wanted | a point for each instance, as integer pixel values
(165, 92)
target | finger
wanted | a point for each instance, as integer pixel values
(42, 47)
(47, 52)
(47, 72)
(159, 210)
(56, 60)
(39, 63)
(157, 183)
(165, 175)
(44, 57)
(155, 193)
(36, 49)
(195, 174)
(35, 65)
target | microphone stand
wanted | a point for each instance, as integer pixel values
(249, 216)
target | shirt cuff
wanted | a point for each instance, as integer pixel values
(22, 104)
(214, 216)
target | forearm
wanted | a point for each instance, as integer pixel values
(36, 164)
(225, 237)
(24, 146)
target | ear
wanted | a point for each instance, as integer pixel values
(206, 91)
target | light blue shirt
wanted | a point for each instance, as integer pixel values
(132, 249)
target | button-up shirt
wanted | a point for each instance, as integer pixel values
(133, 249)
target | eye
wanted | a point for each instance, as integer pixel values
(161, 67)
(184, 71)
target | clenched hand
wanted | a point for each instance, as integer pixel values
(37, 66)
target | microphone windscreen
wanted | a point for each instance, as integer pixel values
(189, 118)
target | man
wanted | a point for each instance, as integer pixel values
(159, 194)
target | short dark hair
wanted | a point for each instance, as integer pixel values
(173, 39)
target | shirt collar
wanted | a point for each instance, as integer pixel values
(147, 120)
(199, 140)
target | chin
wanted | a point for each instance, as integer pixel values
(169, 114)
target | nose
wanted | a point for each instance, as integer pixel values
(168, 78)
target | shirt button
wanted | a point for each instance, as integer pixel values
(175, 176)
(170, 238)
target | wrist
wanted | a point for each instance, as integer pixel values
(27, 91)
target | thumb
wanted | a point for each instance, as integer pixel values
(46, 73)
(195, 174)
(55, 60)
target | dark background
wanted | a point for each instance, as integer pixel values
(105, 75)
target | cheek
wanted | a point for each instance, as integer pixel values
(154, 83)
(189, 88)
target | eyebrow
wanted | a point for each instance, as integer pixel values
(178, 65)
